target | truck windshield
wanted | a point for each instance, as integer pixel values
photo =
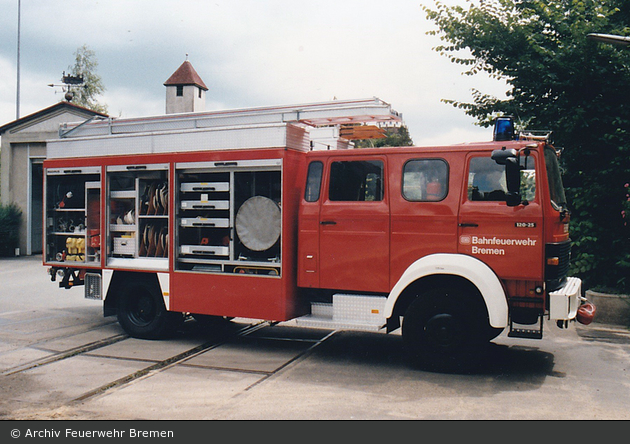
(556, 189)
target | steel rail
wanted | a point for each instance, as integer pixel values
(60, 356)
(167, 363)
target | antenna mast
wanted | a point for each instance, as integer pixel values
(17, 98)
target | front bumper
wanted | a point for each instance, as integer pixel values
(565, 301)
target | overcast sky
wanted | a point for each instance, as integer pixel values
(248, 52)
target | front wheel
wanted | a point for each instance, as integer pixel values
(443, 331)
(142, 314)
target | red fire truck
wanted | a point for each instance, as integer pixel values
(239, 214)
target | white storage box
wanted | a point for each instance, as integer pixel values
(367, 309)
(125, 246)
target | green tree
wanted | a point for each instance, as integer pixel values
(559, 80)
(10, 218)
(85, 65)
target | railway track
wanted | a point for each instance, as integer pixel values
(59, 356)
(227, 337)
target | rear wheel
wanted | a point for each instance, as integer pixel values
(142, 314)
(443, 330)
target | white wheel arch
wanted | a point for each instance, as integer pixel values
(467, 267)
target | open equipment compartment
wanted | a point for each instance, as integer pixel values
(72, 215)
(229, 216)
(137, 216)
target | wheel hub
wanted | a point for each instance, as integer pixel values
(142, 311)
(443, 330)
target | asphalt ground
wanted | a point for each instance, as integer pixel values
(61, 360)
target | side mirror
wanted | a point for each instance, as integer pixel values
(510, 159)
(501, 156)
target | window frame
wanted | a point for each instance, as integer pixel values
(448, 176)
(307, 187)
(501, 168)
(330, 180)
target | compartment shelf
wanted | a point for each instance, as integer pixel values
(204, 250)
(205, 205)
(72, 216)
(205, 187)
(139, 196)
(68, 233)
(123, 228)
(208, 201)
(204, 222)
(125, 194)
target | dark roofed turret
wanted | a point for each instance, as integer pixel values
(185, 90)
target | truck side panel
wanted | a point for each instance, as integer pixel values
(509, 239)
(231, 295)
(253, 290)
(344, 237)
(423, 191)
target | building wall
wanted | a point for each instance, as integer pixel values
(21, 185)
(187, 103)
(21, 146)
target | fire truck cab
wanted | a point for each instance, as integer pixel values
(234, 214)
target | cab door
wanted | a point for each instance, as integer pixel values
(354, 225)
(508, 239)
(308, 227)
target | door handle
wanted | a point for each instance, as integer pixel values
(468, 225)
(328, 222)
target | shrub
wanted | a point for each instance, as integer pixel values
(10, 217)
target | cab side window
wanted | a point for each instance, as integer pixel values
(356, 181)
(313, 181)
(425, 180)
(486, 180)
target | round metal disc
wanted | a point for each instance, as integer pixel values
(258, 223)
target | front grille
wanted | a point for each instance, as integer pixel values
(556, 275)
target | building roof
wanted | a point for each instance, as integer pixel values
(60, 106)
(186, 75)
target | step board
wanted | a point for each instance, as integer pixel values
(526, 331)
(347, 312)
(318, 322)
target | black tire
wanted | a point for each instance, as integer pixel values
(444, 330)
(142, 314)
(493, 332)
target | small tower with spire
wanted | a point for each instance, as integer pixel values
(185, 91)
